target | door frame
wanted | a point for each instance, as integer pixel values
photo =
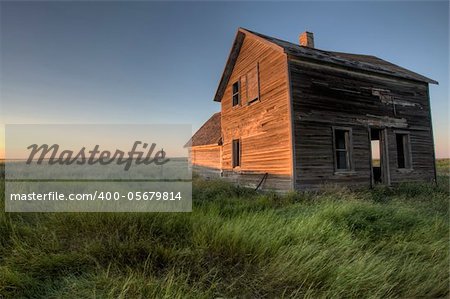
(384, 156)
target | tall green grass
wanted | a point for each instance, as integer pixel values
(238, 243)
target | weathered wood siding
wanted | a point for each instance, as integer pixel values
(325, 96)
(262, 126)
(206, 155)
(205, 160)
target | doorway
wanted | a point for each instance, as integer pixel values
(378, 160)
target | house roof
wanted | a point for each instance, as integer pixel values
(366, 63)
(209, 133)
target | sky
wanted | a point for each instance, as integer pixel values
(118, 62)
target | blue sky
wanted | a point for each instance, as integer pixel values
(160, 62)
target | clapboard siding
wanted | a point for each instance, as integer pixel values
(325, 96)
(421, 155)
(315, 158)
(262, 126)
(207, 156)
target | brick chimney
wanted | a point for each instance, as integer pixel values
(307, 39)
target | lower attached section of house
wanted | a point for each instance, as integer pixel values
(206, 162)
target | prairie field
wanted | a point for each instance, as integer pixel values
(237, 243)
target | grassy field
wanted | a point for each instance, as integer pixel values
(237, 243)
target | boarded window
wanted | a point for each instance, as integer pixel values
(243, 87)
(403, 151)
(236, 93)
(236, 152)
(253, 85)
(342, 149)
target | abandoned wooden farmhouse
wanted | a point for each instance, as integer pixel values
(296, 117)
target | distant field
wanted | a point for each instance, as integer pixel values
(238, 243)
(443, 166)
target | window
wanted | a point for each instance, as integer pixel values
(342, 149)
(246, 88)
(236, 93)
(236, 153)
(403, 151)
(253, 85)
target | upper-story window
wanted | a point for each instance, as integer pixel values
(246, 89)
(236, 93)
(253, 85)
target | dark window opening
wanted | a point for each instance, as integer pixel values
(236, 152)
(376, 155)
(236, 94)
(403, 151)
(342, 149)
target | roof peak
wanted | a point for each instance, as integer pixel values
(367, 62)
(360, 62)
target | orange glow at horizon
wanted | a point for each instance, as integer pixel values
(442, 150)
(2, 142)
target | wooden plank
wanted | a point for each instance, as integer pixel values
(207, 156)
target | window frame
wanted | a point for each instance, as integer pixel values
(258, 98)
(407, 153)
(348, 149)
(238, 93)
(236, 160)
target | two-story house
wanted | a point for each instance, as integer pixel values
(296, 117)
